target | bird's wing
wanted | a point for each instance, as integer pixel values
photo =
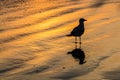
(74, 30)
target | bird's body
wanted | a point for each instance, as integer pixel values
(79, 30)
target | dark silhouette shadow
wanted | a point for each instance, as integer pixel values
(78, 31)
(78, 54)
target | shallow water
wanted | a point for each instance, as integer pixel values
(34, 45)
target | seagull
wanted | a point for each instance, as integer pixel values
(79, 30)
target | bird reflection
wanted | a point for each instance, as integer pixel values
(78, 54)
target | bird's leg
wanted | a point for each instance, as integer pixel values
(75, 45)
(80, 43)
(75, 40)
(80, 40)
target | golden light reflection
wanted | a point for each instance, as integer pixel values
(33, 34)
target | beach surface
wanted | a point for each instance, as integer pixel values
(34, 45)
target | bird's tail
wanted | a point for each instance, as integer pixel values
(69, 35)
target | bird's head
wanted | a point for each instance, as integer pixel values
(82, 20)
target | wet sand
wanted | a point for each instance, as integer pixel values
(34, 45)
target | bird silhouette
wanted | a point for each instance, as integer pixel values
(79, 30)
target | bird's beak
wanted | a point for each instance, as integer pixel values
(85, 20)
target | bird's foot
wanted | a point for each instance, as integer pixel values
(80, 42)
(75, 42)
